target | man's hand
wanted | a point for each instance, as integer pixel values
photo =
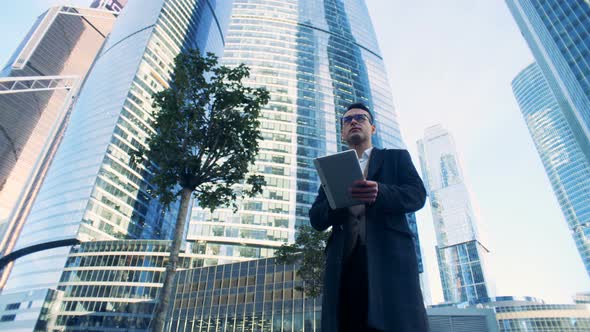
(364, 191)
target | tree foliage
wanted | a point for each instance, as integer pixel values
(206, 132)
(205, 138)
(308, 251)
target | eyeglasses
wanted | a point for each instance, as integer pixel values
(360, 118)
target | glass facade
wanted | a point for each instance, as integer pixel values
(411, 217)
(528, 314)
(566, 166)
(105, 286)
(114, 5)
(558, 34)
(111, 285)
(260, 295)
(42, 81)
(315, 57)
(34, 108)
(257, 295)
(582, 298)
(461, 248)
(91, 192)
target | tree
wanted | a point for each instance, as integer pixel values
(308, 250)
(206, 137)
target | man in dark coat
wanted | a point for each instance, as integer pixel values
(371, 280)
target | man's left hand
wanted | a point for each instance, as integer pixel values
(364, 191)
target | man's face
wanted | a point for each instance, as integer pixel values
(357, 127)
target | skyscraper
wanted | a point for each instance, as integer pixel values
(91, 192)
(564, 161)
(460, 249)
(558, 34)
(315, 57)
(114, 5)
(42, 80)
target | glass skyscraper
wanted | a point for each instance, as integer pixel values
(564, 161)
(461, 250)
(114, 5)
(41, 83)
(315, 58)
(558, 34)
(91, 191)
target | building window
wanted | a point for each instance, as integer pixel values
(7, 318)
(12, 306)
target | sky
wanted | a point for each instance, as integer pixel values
(451, 62)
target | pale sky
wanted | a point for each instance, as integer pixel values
(451, 62)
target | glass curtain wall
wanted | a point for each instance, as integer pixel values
(567, 168)
(315, 57)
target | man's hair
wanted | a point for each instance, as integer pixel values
(360, 106)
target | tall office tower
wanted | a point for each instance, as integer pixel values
(315, 57)
(41, 82)
(114, 5)
(91, 192)
(558, 34)
(460, 249)
(562, 156)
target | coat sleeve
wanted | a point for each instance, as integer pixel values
(321, 216)
(408, 195)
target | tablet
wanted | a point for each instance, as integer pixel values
(337, 172)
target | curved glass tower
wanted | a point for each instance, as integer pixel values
(315, 57)
(557, 34)
(562, 156)
(91, 191)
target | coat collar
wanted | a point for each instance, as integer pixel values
(375, 162)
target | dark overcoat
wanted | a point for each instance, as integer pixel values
(395, 299)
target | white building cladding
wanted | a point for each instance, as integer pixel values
(460, 248)
(91, 192)
(315, 57)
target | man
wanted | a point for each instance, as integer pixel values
(371, 280)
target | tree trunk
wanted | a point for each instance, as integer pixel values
(159, 318)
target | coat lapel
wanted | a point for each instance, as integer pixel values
(375, 163)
